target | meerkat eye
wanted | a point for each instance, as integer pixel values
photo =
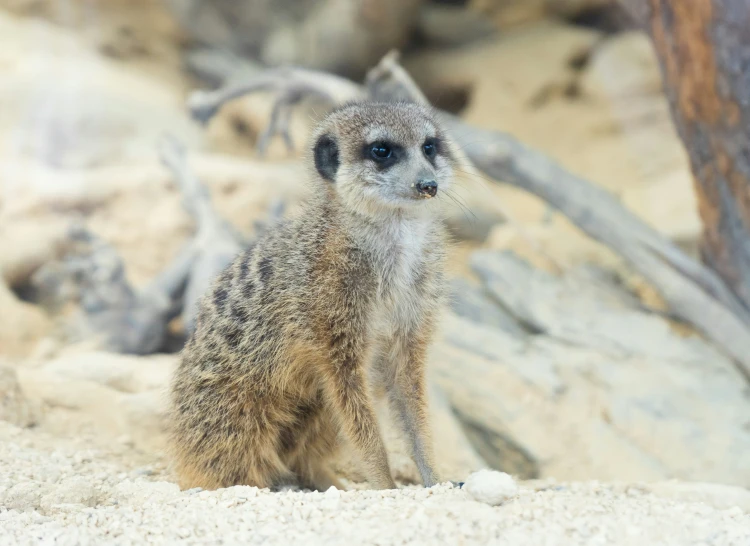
(380, 151)
(430, 147)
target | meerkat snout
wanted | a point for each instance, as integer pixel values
(427, 188)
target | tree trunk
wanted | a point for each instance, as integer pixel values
(704, 50)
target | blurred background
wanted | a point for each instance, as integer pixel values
(559, 357)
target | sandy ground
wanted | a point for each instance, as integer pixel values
(54, 492)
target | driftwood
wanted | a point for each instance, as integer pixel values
(120, 318)
(694, 293)
(215, 242)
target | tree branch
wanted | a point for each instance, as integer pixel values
(694, 293)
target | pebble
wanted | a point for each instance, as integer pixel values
(491, 487)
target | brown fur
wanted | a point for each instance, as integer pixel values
(326, 309)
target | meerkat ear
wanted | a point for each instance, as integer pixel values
(327, 157)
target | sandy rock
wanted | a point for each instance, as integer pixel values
(344, 36)
(593, 376)
(125, 109)
(99, 403)
(242, 191)
(130, 374)
(512, 12)
(447, 25)
(623, 66)
(134, 30)
(552, 246)
(116, 196)
(30, 242)
(22, 325)
(15, 408)
(146, 417)
(617, 129)
(504, 91)
(472, 302)
(24, 496)
(75, 490)
(670, 205)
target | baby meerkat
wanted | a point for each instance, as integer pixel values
(325, 312)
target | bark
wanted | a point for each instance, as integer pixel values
(704, 51)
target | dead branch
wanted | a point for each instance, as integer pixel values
(111, 310)
(203, 105)
(216, 242)
(694, 293)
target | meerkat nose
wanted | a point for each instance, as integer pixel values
(427, 188)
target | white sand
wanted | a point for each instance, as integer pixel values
(50, 494)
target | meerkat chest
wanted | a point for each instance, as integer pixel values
(400, 263)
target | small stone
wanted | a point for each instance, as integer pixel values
(333, 493)
(491, 487)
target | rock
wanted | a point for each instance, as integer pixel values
(505, 93)
(454, 454)
(116, 112)
(140, 30)
(669, 204)
(498, 449)
(98, 403)
(491, 487)
(242, 192)
(639, 400)
(343, 36)
(15, 408)
(553, 246)
(32, 242)
(618, 131)
(75, 490)
(513, 12)
(22, 325)
(452, 26)
(474, 303)
(115, 196)
(125, 373)
(145, 416)
(624, 66)
(24, 496)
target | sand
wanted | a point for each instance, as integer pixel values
(56, 491)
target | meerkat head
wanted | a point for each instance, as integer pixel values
(383, 156)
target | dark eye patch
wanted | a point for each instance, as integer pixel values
(383, 153)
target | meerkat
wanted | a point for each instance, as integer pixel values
(325, 313)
